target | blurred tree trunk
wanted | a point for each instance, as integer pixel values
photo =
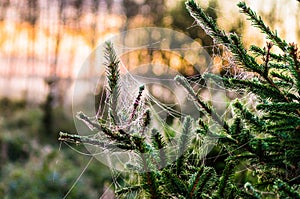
(93, 36)
(59, 26)
(4, 5)
(3, 153)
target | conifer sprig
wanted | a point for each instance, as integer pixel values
(259, 23)
(199, 181)
(277, 107)
(183, 143)
(136, 103)
(206, 22)
(202, 105)
(286, 190)
(79, 139)
(227, 172)
(233, 42)
(275, 88)
(113, 76)
(266, 142)
(159, 144)
(262, 52)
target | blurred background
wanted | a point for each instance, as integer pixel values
(43, 44)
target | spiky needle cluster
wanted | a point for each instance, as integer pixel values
(269, 140)
(265, 139)
(112, 74)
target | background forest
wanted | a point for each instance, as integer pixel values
(43, 45)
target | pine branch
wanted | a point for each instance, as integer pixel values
(286, 189)
(146, 121)
(206, 23)
(259, 23)
(115, 135)
(262, 52)
(205, 131)
(284, 107)
(113, 76)
(233, 42)
(254, 86)
(159, 144)
(269, 139)
(89, 123)
(265, 73)
(265, 91)
(240, 53)
(236, 127)
(176, 186)
(149, 177)
(125, 190)
(136, 103)
(77, 139)
(208, 110)
(294, 63)
(183, 143)
(194, 183)
(199, 181)
(253, 119)
(295, 56)
(284, 79)
(224, 178)
(151, 185)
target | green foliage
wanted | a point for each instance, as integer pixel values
(112, 74)
(31, 169)
(276, 89)
(183, 143)
(262, 137)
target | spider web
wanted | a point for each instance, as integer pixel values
(166, 100)
(221, 61)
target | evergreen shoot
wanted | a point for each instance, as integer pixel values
(258, 145)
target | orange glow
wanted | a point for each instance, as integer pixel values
(21, 40)
(58, 46)
(160, 61)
